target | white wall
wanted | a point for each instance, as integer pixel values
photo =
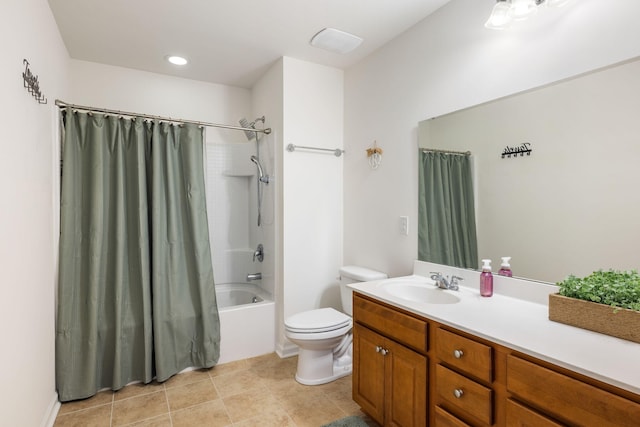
(447, 62)
(117, 88)
(311, 187)
(28, 176)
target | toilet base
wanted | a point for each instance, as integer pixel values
(320, 367)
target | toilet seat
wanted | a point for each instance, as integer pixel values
(317, 321)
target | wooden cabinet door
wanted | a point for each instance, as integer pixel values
(405, 386)
(368, 372)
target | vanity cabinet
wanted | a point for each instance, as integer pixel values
(413, 371)
(568, 399)
(389, 378)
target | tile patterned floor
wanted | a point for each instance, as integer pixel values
(260, 391)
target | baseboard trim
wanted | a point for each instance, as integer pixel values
(49, 418)
(286, 349)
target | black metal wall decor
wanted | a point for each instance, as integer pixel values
(32, 84)
(520, 149)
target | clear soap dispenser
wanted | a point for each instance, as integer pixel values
(486, 279)
(505, 268)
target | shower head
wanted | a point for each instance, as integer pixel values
(261, 176)
(255, 160)
(252, 125)
(245, 124)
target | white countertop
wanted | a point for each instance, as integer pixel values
(520, 321)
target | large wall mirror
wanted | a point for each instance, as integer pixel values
(573, 205)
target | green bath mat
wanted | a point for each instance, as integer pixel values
(353, 421)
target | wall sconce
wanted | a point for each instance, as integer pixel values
(506, 11)
(375, 155)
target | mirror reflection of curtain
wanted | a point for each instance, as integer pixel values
(446, 214)
(136, 297)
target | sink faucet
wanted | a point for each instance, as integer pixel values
(443, 283)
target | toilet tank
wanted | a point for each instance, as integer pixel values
(353, 274)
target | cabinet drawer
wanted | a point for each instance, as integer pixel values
(568, 399)
(445, 419)
(521, 416)
(464, 354)
(465, 394)
(401, 327)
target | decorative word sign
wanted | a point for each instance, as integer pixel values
(520, 149)
(32, 84)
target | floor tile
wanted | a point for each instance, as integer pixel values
(251, 404)
(99, 399)
(293, 394)
(191, 394)
(226, 368)
(268, 419)
(159, 421)
(208, 414)
(137, 390)
(139, 408)
(188, 377)
(261, 391)
(237, 382)
(315, 413)
(98, 416)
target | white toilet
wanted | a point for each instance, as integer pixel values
(324, 335)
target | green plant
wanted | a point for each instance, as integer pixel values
(619, 289)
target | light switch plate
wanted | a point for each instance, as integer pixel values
(404, 225)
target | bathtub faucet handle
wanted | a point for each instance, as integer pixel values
(259, 253)
(254, 276)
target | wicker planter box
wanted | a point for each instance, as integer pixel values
(601, 318)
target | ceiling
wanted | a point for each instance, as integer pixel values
(231, 42)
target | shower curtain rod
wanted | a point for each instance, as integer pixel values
(60, 103)
(435, 150)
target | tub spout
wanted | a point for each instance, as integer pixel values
(254, 276)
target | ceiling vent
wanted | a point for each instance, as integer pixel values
(335, 40)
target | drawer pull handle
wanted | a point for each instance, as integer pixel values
(458, 393)
(384, 352)
(378, 349)
(458, 354)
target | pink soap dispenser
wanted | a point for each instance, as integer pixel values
(486, 279)
(505, 268)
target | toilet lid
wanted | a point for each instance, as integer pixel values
(320, 320)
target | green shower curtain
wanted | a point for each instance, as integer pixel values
(446, 213)
(136, 297)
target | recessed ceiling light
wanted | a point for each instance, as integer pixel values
(177, 60)
(335, 40)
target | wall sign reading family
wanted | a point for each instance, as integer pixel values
(519, 149)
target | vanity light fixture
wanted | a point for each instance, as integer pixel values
(506, 11)
(176, 60)
(335, 40)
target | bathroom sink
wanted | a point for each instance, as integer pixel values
(419, 291)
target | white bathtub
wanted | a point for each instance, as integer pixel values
(247, 321)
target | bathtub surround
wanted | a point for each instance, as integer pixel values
(136, 298)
